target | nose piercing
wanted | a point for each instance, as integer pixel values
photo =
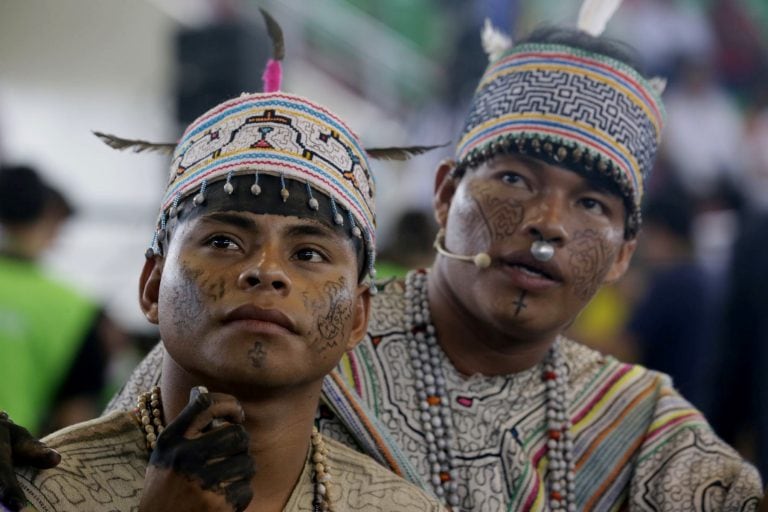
(542, 250)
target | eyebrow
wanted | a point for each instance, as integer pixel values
(311, 230)
(235, 219)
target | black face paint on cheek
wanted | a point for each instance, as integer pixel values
(590, 257)
(331, 313)
(257, 355)
(502, 217)
(186, 299)
(520, 305)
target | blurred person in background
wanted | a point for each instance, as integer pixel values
(671, 326)
(53, 352)
(409, 247)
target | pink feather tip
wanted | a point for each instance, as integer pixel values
(273, 76)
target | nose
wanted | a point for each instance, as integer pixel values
(546, 220)
(264, 273)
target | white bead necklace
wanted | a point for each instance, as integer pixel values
(435, 409)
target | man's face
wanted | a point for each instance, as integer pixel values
(256, 301)
(501, 208)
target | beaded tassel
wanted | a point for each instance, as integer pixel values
(228, 187)
(199, 199)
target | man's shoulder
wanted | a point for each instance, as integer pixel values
(102, 467)
(387, 307)
(359, 478)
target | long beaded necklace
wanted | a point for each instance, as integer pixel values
(435, 407)
(149, 412)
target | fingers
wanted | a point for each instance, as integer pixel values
(10, 492)
(28, 451)
(206, 407)
(222, 442)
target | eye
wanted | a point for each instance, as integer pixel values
(223, 242)
(512, 178)
(593, 205)
(309, 254)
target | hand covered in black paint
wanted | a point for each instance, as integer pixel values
(197, 466)
(18, 447)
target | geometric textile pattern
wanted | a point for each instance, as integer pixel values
(104, 463)
(574, 99)
(278, 134)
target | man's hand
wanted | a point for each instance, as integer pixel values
(201, 462)
(18, 447)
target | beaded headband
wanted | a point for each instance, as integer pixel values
(581, 110)
(282, 135)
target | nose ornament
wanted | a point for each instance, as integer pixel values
(542, 250)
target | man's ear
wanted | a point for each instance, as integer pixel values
(360, 310)
(445, 188)
(149, 287)
(621, 264)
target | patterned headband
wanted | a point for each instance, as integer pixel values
(279, 134)
(579, 109)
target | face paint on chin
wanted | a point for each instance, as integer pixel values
(501, 216)
(331, 313)
(590, 258)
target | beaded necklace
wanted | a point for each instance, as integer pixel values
(149, 412)
(434, 405)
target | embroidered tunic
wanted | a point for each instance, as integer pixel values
(103, 462)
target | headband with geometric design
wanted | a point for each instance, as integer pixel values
(579, 109)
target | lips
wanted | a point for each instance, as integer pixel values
(248, 313)
(530, 273)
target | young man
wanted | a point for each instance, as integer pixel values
(258, 280)
(464, 380)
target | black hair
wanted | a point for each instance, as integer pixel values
(24, 196)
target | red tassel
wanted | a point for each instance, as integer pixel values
(273, 76)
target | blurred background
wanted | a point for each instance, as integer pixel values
(401, 72)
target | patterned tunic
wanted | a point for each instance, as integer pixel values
(637, 444)
(104, 462)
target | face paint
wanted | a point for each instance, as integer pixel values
(187, 299)
(502, 217)
(257, 355)
(331, 311)
(520, 305)
(590, 258)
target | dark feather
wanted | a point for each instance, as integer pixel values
(275, 34)
(400, 153)
(137, 146)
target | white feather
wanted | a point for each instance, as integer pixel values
(594, 15)
(495, 42)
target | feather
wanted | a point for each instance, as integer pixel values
(400, 153)
(275, 34)
(594, 15)
(495, 42)
(273, 76)
(137, 146)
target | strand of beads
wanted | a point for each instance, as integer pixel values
(322, 476)
(430, 389)
(436, 412)
(559, 438)
(150, 414)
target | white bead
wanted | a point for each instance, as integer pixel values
(228, 188)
